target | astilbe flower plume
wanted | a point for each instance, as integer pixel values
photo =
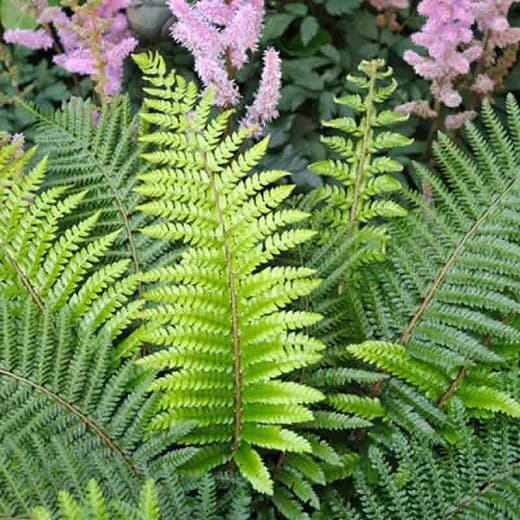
(95, 39)
(447, 36)
(263, 108)
(491, 18)
(220, 34)
(458, 33)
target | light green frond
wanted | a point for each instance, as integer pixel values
(220, 313)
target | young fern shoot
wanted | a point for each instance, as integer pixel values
(363, 176)
(220, 312)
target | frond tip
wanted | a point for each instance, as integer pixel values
(220, 312)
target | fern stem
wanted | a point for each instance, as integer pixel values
(23, 278)
(484, 488)
(134, 255)
(360, 166)
(437, 283)
(452, 388)
(459, 249)
(77, 413)
(235, 331)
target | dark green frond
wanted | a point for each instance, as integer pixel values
(441, 309)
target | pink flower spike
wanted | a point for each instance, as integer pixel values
(483, 85)
(242, 34)
(36, 40)
(263, 110)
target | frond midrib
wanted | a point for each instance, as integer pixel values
(233, 303)
(101, 167)
(33, 292)
(456, 253)
(76, 412)
(482, 490)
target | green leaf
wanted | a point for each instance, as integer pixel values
(276, 25)
(252, 467)
(336, 7)
(299, 9)
(308, 29)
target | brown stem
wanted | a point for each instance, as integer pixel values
(438, 281)
(77, 413)
(436, 125)
(484, 488)
(452, 388)
(235, 329)
(33, 292)
(479, 69)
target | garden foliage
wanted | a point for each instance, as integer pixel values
(184, 333)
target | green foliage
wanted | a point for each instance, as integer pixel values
(351, 219)
(410, 410)
(97, 150)
(41, 83)
(219, 311)
(166, 500)
(71, 410)
(442, 306)
(406, 479)
(94, 506)
(363, 174)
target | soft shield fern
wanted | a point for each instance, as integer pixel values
(220, 312)
(441, 310)
(406, 479)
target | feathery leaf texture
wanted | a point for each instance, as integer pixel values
(440, 311)
(405, 479)
(220, 312)
(96, 151)
(71, 410)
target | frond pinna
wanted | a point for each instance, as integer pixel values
(220, 313)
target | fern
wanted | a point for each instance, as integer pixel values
(440, 310)
(165, 500)
(347, 217)
(358, 200)
(71, 410)
(219, 311)
(351, 218)
(94, 506)
(406, 479)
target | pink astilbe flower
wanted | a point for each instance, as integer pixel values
(95, 39)
(36, 40)
(242, 33)
(447, 36)
(263, 110)
(491, 17)
(220, 34)
(419, 108)
(204, 39)
(483, 85)
(455, 121)
(381, 5)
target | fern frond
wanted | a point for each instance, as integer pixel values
(405, 479)
(222, 322)
(442, 305)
